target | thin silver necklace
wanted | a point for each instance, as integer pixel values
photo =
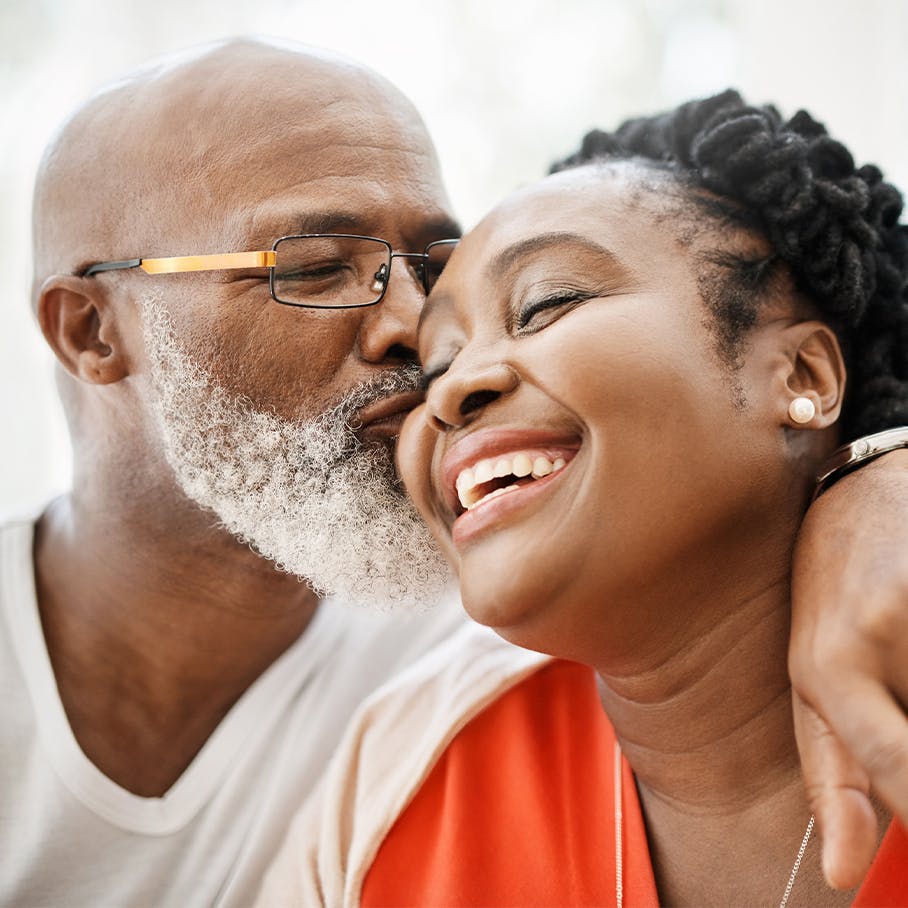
(619, 849)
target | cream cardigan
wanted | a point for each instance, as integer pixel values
(393, 742)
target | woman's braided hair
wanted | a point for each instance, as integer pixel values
(833, 224)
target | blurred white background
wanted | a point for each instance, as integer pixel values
(505, 86)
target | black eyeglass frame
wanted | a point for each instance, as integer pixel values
(267, 259)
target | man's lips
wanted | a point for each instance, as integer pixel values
(384, 418)
(488, 446)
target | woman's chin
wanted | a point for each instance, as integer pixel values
(504, 607)
(520, 609)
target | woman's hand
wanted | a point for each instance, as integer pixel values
(849, 659)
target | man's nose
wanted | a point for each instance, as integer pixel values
(388, 330)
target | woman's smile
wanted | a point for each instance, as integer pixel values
(490, 474)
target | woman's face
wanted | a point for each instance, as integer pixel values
(585, 456)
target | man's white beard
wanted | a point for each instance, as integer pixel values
(310, 496)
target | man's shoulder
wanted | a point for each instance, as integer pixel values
(398, 637)
(18, 620)
(16, 558)
(19, 523)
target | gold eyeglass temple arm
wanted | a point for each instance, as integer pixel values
(209, 262)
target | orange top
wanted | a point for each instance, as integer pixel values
(519, 810)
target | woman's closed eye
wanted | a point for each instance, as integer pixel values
(538, 312)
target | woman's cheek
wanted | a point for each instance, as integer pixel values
(415, 448)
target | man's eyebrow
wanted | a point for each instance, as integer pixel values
(516, 251)
(337, 221)
(327, 222)
(263, 231)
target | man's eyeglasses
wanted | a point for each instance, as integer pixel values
(317, 271)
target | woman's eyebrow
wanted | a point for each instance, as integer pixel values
(516, 251)
(510, 255)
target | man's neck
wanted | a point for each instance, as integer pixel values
(156, 622)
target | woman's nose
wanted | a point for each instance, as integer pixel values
(465, 389)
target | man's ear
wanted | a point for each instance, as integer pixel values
(814, 368)
(80, 324)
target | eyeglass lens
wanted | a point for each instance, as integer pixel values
(436, 257)
(336, 272)
(329, 271)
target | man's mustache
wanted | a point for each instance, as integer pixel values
(401, 380)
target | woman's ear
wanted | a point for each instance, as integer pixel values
(814, 379)
(80, 324)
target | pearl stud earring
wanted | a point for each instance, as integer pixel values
(802, 410)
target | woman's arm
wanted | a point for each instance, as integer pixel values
(849, 659)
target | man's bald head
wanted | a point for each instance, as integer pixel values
(198, 390)
(146, 165)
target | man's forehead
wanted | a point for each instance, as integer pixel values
(271, 190)
(415, 226)
(189, 151)
(336, 156)
(290, 133)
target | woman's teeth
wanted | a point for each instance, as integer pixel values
(473, 483)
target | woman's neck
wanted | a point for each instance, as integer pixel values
(708, 732)
(708, 727)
